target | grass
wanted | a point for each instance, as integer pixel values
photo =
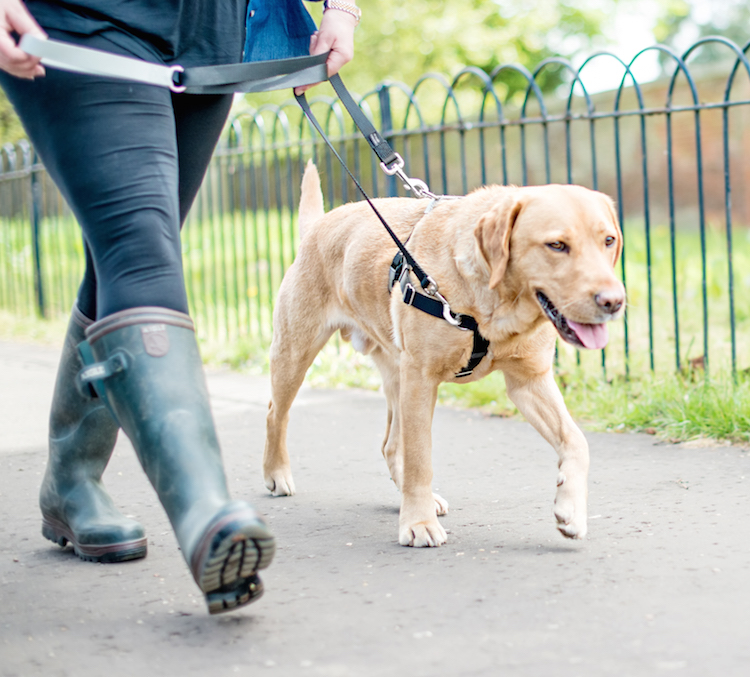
(674, 407)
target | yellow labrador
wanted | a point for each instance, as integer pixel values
(527, 263)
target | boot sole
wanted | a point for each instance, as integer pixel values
(60, 533)
(232, 552)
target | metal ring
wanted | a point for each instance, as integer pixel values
(177, 89)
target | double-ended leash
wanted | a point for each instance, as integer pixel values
(262, 76)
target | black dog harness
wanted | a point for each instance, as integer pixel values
(399, 272)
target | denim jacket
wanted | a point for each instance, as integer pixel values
(277, 29)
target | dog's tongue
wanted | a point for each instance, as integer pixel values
(593, 336)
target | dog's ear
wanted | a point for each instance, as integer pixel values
(492, 234)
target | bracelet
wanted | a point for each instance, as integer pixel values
(344, 6)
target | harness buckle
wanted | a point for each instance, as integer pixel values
(409, 293)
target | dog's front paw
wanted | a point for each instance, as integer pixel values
(280, 482)
(426, 534)
(570, 508)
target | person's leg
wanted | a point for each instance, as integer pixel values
(112, 148)
(199, 120)
(86, 301)
(82, 434)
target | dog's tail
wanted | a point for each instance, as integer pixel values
(311, 206)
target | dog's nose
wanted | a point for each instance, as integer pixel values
(610, 300)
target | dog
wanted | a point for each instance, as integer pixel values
(528, 263)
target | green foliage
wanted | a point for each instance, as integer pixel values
(10, 126)
(674, 14)
(403, 40)
(685, 21)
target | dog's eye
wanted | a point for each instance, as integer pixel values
(558, 246)
(609, 240)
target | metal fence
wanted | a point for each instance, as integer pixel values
(671, 152)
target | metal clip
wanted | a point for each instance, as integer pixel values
(418, 187)
(430, 287)
(447, 314)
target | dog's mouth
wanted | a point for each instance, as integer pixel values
(592, 336)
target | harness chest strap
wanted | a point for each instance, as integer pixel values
(399, 272)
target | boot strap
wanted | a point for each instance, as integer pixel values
(93, 374)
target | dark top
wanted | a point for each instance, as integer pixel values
(188, 32)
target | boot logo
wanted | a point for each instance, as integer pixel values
(155, 339)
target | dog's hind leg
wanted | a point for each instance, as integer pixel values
(293, 350)
(392, 441)
(389, 373)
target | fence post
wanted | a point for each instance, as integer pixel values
(386, 125)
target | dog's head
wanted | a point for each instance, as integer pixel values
(557, 245)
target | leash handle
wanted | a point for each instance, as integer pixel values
(257, 76)
(76, 59)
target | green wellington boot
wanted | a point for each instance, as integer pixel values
(82, 434)
(149, 366)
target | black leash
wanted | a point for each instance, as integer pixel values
(264, 76)
(388, 158)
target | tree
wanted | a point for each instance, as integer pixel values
(685, 21)
(403, 40)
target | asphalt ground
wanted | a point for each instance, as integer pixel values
(660, 586)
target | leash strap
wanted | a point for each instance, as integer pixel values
(382, 148)
(428, 284)
(390, 161)
(259, 76)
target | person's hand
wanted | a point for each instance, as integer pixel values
(15, 18)
(336, 34)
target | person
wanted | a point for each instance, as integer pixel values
(129, 159)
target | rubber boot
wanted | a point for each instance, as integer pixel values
(148, 363)
(82, 433)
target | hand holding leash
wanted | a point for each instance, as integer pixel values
(336, 35)
(15, 19)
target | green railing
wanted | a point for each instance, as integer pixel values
(672, 153)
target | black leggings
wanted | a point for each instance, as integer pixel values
(129, 159)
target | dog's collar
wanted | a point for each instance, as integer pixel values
(438, 307)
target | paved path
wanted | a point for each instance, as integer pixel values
(660, 587)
